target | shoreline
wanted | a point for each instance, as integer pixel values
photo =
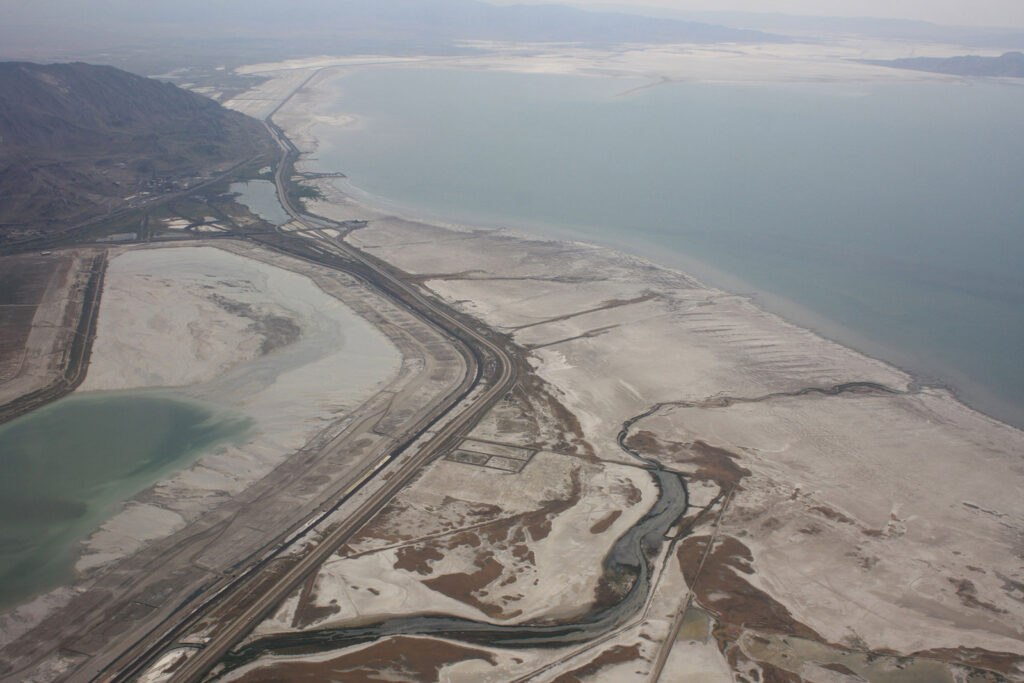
(343, 191)
(501, 276)
(973, 394)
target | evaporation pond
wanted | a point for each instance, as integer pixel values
(67, 466)
(261, 198)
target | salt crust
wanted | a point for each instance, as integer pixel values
(921, 488)
(195, 318)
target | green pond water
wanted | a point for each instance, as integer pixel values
(261, 198)
(68, 466)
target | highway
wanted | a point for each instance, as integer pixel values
(230, 611)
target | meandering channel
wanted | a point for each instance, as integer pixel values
(630, 557)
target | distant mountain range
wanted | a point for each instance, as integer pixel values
(77, 140)
(823, 28)
(251, 30)
(1009, 64)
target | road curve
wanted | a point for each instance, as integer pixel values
(245, 600)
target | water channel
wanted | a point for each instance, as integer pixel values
(629, 559)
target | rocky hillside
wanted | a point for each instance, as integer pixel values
(78, 141)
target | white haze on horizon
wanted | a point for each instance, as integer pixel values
(991, 13)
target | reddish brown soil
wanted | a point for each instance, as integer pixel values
(512, 534)
(722, 588)
(602, 525)
(387, 527)
(310, 614)
(383, 526)
(396, 659)
(540, 407)
(615, 655)
(463, 586)
(712, 463)
(832, 514)
(417, 558)
(968, 594)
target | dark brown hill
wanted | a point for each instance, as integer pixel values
(1009, 64)
(78, 141)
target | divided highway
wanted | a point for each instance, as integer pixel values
(238, 605)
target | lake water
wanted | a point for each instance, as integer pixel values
(888, 216)
(68, 466)
(261, 198)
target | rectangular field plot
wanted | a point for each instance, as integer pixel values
(504, 450)
(492, 455)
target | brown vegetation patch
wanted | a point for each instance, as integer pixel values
(647, 443)
(832, 514)
(968, 594)
(310, 613)
(602, 525)
(523, 553)
(468, 538)
(307, 612)
(541, 407)
(613, 586)
(615, 655)
(538, 522)
(629, 492)
(510, 535)
(714, 464)
(1015, 589)
(384, 526)
(717, 465)
(401, 658)
(394, 524)
(462, 586)
(720, 587)
(417, 558)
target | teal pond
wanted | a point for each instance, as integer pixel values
(68, 466)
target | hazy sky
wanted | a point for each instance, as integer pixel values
(1006, 13)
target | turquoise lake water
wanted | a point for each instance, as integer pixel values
(68, 466)
(889, 217)
(261, 198)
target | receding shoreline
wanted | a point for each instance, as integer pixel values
(972, 395)
(926, 369)
(835, 483)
